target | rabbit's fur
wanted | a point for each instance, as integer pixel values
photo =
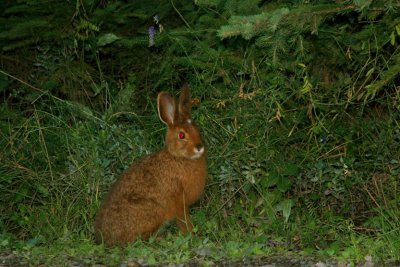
(161, 186)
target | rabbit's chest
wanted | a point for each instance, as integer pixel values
(193, 182)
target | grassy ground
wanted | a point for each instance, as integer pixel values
(329, 189)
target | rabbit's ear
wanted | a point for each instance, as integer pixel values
(185, 108)
(166, 108)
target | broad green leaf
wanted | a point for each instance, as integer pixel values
(106, 39)
(392, 38)
(270, 180)
(291, 169)
(283, 184)
(286, 207)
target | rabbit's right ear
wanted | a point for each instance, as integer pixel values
(167, 110)
(184, 104)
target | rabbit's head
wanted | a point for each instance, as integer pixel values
(183, 137)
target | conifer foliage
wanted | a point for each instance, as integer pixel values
(333, 39)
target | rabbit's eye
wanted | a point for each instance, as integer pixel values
(181, 135)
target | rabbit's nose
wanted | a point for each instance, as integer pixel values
(199, 147)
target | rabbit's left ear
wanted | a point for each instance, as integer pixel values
(185, 107)
(166, 109)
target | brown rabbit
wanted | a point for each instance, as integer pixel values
(161, 186)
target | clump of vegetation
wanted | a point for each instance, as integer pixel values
(299, 107)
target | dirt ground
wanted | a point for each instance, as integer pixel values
(8, 259)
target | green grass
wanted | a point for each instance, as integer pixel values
(332, 240)
(268, 193)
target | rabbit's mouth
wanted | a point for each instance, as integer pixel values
(196, 156)
(198, 152)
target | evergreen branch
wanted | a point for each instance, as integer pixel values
(345, 8)
(333, 10)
